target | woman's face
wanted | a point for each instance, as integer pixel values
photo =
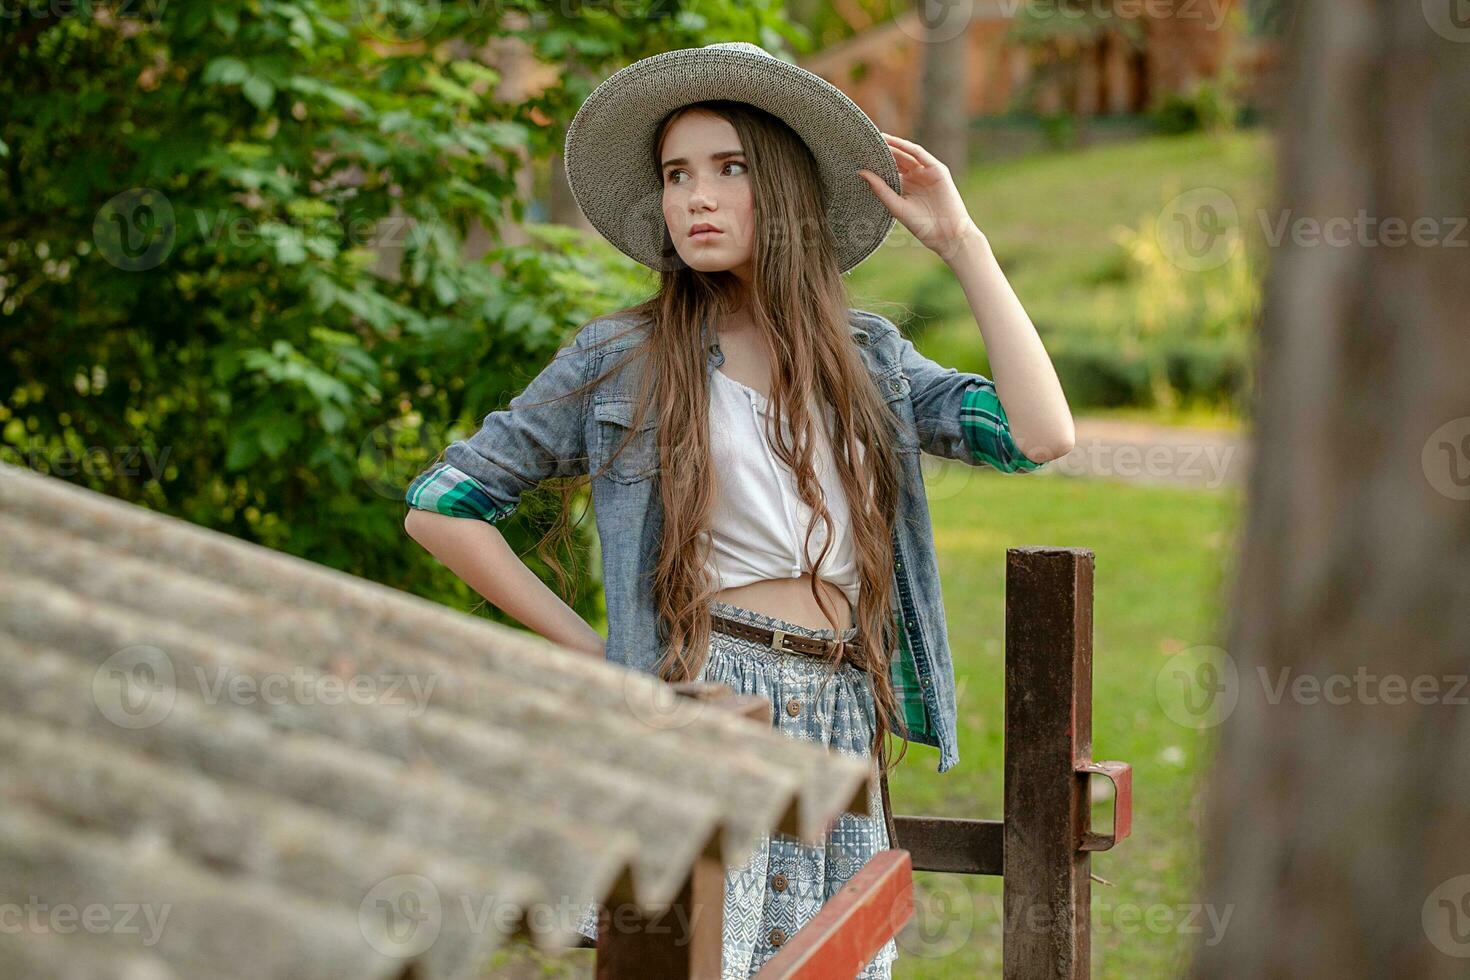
(706, 183)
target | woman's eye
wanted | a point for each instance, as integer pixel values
(729, 163)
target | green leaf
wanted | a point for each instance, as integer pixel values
(226, 71)
(244, 449)
(444, 289)
(228, 21)
(449, 90)
(277, 437)
(259, 91)
(332, 418)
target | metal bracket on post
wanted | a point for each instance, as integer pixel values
(1120, 774)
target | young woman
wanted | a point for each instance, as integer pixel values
(752, 442)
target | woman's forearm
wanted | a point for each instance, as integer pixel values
(1025, 381)
(477, 552)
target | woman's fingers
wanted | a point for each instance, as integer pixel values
(904, 158)
(915, 150)
(892, 201)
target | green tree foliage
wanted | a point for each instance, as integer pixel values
(194, 312)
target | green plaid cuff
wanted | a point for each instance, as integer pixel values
(988, 434)
(446, 489)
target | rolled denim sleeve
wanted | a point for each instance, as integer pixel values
(957, 413)
(539, 435)
(446, 489)
(988, 434)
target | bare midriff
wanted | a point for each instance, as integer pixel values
(791, 599)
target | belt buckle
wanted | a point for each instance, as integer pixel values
(778, 640)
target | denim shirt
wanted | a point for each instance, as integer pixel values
(942, 411)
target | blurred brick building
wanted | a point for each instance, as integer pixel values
(1180, 44)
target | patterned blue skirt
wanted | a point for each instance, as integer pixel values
(785, 882)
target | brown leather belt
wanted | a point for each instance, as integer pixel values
(807, 646)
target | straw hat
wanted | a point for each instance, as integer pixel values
(618, 186)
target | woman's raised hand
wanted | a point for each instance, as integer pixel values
(930, 207)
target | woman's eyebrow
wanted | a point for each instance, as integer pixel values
(683, 161)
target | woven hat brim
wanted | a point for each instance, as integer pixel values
(614, 181)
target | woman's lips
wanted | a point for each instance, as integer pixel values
(700, 236)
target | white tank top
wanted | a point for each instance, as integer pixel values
(758, 524)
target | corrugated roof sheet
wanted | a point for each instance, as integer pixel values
(270, 760)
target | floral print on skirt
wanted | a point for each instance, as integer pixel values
(784, 882)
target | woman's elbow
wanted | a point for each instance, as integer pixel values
(1047, 446)
(1053, 450)
(413, 524)
(1058, 442)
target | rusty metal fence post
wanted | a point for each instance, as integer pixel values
(1042, 846)
(1048, 759)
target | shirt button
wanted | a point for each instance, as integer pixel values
(779, 883)
(793, 707)
(778, 936)
(895, 386)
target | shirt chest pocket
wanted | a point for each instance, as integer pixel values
(622, 454)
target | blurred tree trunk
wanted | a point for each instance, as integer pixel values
(561, 206)
(943, 126)
(1336, 833)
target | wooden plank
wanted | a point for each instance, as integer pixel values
(682, 942)
(852, 926)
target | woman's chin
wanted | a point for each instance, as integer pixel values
(704, 261)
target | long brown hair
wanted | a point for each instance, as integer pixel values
(799, 306)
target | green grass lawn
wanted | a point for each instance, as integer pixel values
(1050, 218)
(1161, 560)
(1161, 557)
